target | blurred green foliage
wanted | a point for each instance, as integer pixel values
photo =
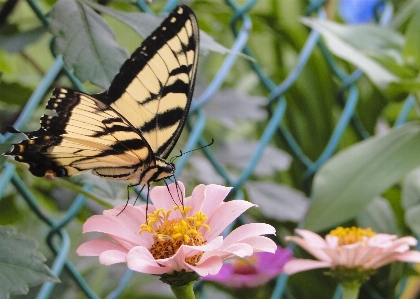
(315, 104)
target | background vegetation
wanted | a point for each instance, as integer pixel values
(277, 117)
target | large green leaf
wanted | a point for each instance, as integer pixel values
(17, 42)
(410, 199)
(379, 216)
(375, 50)
(145, 23)
(14, 93)
(4, 147)
(412, 46)
(86, 41)
(350, 180)
(21, 266)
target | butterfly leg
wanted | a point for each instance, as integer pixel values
(128, 196)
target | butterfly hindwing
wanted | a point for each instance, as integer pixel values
(85, 135)
(126, 132)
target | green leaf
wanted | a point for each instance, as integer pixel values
(410, 199)
(412, 46)
(19, 41)
(350, 180)
(86, 42)
(379, 216)
(144, 24)
(4, 147)
(378, 53)
(277, 201)
(21, 266)
(14, 93)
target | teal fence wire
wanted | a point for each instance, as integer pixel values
(275, 104)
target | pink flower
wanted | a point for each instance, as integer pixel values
(252, 271)
(176, 237)
(351, 248)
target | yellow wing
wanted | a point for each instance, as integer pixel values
(154, 88)
(126, 132)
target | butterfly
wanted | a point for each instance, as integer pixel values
(127, 132)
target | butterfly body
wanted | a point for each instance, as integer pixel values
(127, 132)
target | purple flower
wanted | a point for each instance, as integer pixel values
(252, 271)
(359, 11)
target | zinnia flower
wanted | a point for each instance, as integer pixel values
(352, 254)
(252, 271)
(176, 237)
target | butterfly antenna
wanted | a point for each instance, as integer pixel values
(179, 192)
(196, 149)
(169, 191)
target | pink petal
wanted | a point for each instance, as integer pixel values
(311, 237)
(272, 263)
(177, 261)
(214, 244)
(299, 265)
(210, 263)
(248, 230)
(127, 244)
(320, 252)
(214, 196)
(195, 201)
(238, 249)
(411, 256)
(401, 244)
(129, 216)
(327, 254)
(331, 241)
(243, 249)
(211, 266)
(111, 257)
(224, 215)
(381, 238)
(141, 260)
(260, 244)
(97, 246)
(99, 223)
(364, 255)
(161, 198)
(379, 262)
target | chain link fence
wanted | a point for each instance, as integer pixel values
(278, 128)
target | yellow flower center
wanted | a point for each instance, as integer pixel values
(169, 235)
(351, 235)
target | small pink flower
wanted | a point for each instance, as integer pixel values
(351, 248)
(176, 237)
(252, 271)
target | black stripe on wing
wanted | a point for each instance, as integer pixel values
(86, 135)
(153, 89)
(138, 60)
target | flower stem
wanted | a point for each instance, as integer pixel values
(184, 292)
(350, 292)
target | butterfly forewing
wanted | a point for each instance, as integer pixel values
(128, 131)
(153, 89)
